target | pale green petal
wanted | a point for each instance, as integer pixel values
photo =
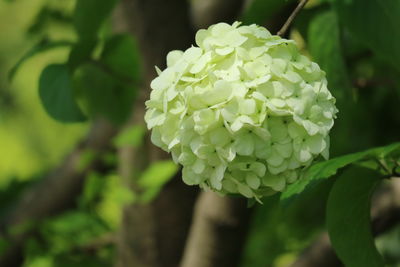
(192, 54)
(258, 168)
(276, 182)
(278, 169)
(295, 130)
(303, 155)
(275, 159)
(199, 166)
(316, 144)
(158, 70)
(187, 158)
(247, 106)
(227, 153)
(292, 77)
(215, 183)
(156, 138)
(220, 137)
(244, 145)
(201, 63)
(224, 51)
(279, 103)
(229, 185)
(189, 177)
(173, 57)
(245, 190)
(220, 29)
(284, 149)
(220, 93)
(253, 181)
(205, 151)
(154, 118)
(278, 67)
(234, 38)
(203, 119)
(325, 152)
(200, 36)
(277, 128)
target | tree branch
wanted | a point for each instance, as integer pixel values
(289, 21)
(218, 232)
(153, 234)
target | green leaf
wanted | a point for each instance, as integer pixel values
(259, 11)
(348, 219)
(45, 16)
(43, 46)
(101, 94)
(375, 23)
(154, 177)
(324, 46)
(71, 229)
(81, 53)
(121, 55)
(89, 15)
(326, 169)
(56, 94)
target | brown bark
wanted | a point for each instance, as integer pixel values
(218, 232)
(153, 234)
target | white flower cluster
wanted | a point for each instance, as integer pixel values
(243, 112)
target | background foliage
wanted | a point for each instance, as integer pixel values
(62, 67)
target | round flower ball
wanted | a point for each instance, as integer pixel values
(243, 111)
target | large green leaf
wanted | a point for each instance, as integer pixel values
(348, 219)
(56, 94)
(121, 55)
(326, 169)
(101, 94)
(81, 53)
(324, 46)
(260, 11)
(43, 46)
(89, 15)
(375, 23)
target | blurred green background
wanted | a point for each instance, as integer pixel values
(361, 76)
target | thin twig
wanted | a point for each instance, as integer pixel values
(289, 21)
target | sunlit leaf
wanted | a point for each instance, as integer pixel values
(326, 169)
(43, 46)
(155, 176)
(131, 136)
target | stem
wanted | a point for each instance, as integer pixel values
(289, 21)
(383, 165)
